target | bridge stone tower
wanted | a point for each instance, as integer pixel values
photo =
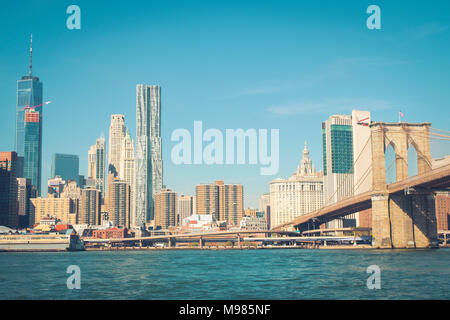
(401, 220)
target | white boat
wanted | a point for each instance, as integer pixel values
(40, 242)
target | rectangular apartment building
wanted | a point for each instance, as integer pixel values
(166, 209)
(225, 202)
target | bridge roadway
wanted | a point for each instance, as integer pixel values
(217, 234)
(310, 239)
(434, 179)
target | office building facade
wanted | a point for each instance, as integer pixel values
(300, 194)
(63, 209)
(90, 209)
(25, 192)
(127, 174)
(96, 163)
(346, 140)
(65, 166)
(32, 148)
(116, 136)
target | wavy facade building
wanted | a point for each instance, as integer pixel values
(148, 163)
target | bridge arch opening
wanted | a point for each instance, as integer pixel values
(390, 163)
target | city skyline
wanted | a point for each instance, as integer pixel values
(281, 152)
(295, 93)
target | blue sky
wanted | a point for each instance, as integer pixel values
(287, 65)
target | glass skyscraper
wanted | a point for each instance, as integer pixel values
(337, 157)
(32, 148)
(29, 94)
(345, 140)
(149, 170)
(66, 166)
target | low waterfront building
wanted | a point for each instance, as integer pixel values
(253, 223)
(443, 211)
(111, 233)
(199, 223)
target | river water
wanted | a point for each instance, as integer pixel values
(227, 274)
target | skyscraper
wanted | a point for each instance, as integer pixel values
(337, 137)
(231, 202)
(127, 170)
(148, 166)
(224, 201)
(8, 190)
(118, 202)
(32, 148)
(207, 199)
(25, 192)
(66, 166)
(345, 140)
(29, 94)
(185, 207)
(96, 164)
(298, 195)
(116, 136)
(90, 206)
(166, 209)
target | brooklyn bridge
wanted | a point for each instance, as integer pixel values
(403, 212)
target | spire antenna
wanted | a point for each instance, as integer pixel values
(31, 55)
